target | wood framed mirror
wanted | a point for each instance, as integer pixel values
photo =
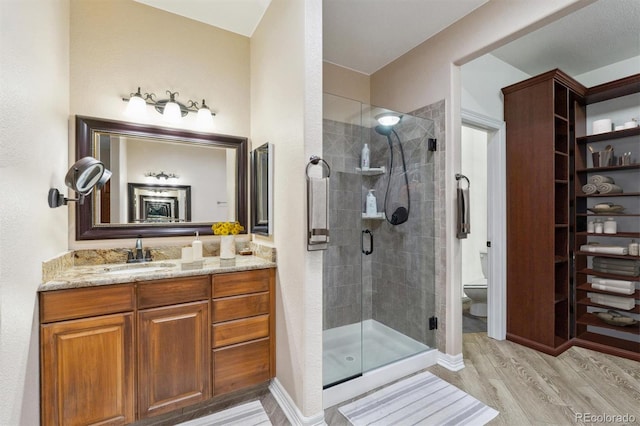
(213, 166)
(262, 190)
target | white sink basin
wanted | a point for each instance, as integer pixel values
(137, 268)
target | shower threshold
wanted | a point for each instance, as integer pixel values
(388, 355)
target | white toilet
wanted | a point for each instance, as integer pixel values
(477, 290)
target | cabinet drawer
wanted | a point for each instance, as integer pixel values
(85, 302)
(241, 283)
(242, 330)
(236, 307)
(239, 366)
(173, 291)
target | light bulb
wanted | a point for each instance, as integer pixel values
(172, 113)
(136, 107)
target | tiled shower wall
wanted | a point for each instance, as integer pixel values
(395, 284)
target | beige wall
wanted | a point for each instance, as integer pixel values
(430, 72)
(286, 87)
(118, 45)
(347, 83)
(34, 106)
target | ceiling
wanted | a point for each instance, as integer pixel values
(366, 35)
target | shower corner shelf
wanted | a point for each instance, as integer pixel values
(372, 171)
(377, 216)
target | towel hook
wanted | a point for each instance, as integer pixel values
(315, 160)
(461, 176)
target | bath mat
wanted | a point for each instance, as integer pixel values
(250, 413)
(423, 399)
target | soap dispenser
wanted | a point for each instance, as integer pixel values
(371, 209)
(197, 248)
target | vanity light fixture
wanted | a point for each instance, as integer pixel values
(85, 175)
(170, 108)
(388, 118)
(162, 175)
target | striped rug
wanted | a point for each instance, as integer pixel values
(423, 399)
(247, 414)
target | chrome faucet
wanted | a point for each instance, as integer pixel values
(140, 255)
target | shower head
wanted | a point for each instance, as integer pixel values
(384, 130)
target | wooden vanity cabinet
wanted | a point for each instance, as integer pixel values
(243, 329)
(114, 354)
(173, 344)
(87, 356)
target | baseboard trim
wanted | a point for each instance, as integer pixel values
(291, 410)
(451, 362)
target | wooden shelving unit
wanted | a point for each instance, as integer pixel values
(547, 274)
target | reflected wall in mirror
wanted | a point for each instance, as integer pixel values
(262, 190)
(150, 203)
(211, 166)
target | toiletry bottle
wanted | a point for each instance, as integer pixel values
(610, 226)
(372, 209)
(598, 227)
(591, 228)
(196, 245)
(634, 248)
(364, 158)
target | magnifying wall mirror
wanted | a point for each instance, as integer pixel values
(262, 190)
(82, 177)
(166, 181)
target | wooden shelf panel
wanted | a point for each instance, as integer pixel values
(587, 302)
(609, 136)
(606, 275)
(608, 168)
(590, 319)
(615, 256)
(613, 89)
(616, 235)
(609, 214)
(609, 344)
(624, 194)
(587, 287)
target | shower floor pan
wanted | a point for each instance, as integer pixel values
(346, 355)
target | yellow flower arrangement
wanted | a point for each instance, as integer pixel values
(227, 228)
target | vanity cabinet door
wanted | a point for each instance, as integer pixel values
(173, 358)
(88, 371)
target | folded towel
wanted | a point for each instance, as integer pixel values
(605, 261)
(601, 248)
(617, 271)
(596, 179)
(318, 221)
(589, 188)
(614, 301)
(613, 289)
(464, 227)
(614, 283)
(608, 188)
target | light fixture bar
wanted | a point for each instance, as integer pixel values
(149, 99)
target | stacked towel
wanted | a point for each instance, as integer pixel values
(603, 248)
(590, 188)
(614, 286)
(608, 188)
(625, 303)
(597, 179)
(318, 211)
(626, 267)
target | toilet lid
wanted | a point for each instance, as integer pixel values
(475, 285)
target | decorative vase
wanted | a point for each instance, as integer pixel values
(227, 247)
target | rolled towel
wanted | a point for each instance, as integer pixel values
(614, 283)
(590, 188)
(608, 188)
(598, 248)
(596, 179)
(618, 290)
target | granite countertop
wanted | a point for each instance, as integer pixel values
(117, 273)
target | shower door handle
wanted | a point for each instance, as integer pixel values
(367, 252)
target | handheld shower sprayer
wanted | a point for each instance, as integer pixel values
(401, 214)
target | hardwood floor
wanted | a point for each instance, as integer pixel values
(532, 388)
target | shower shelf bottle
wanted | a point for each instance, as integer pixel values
(364, 158)
(371, 208)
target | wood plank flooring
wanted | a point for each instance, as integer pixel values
(532, 388)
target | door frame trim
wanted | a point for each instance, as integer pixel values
(496, 224)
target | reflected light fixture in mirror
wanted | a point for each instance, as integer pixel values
(162, 175)
(171, 110)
